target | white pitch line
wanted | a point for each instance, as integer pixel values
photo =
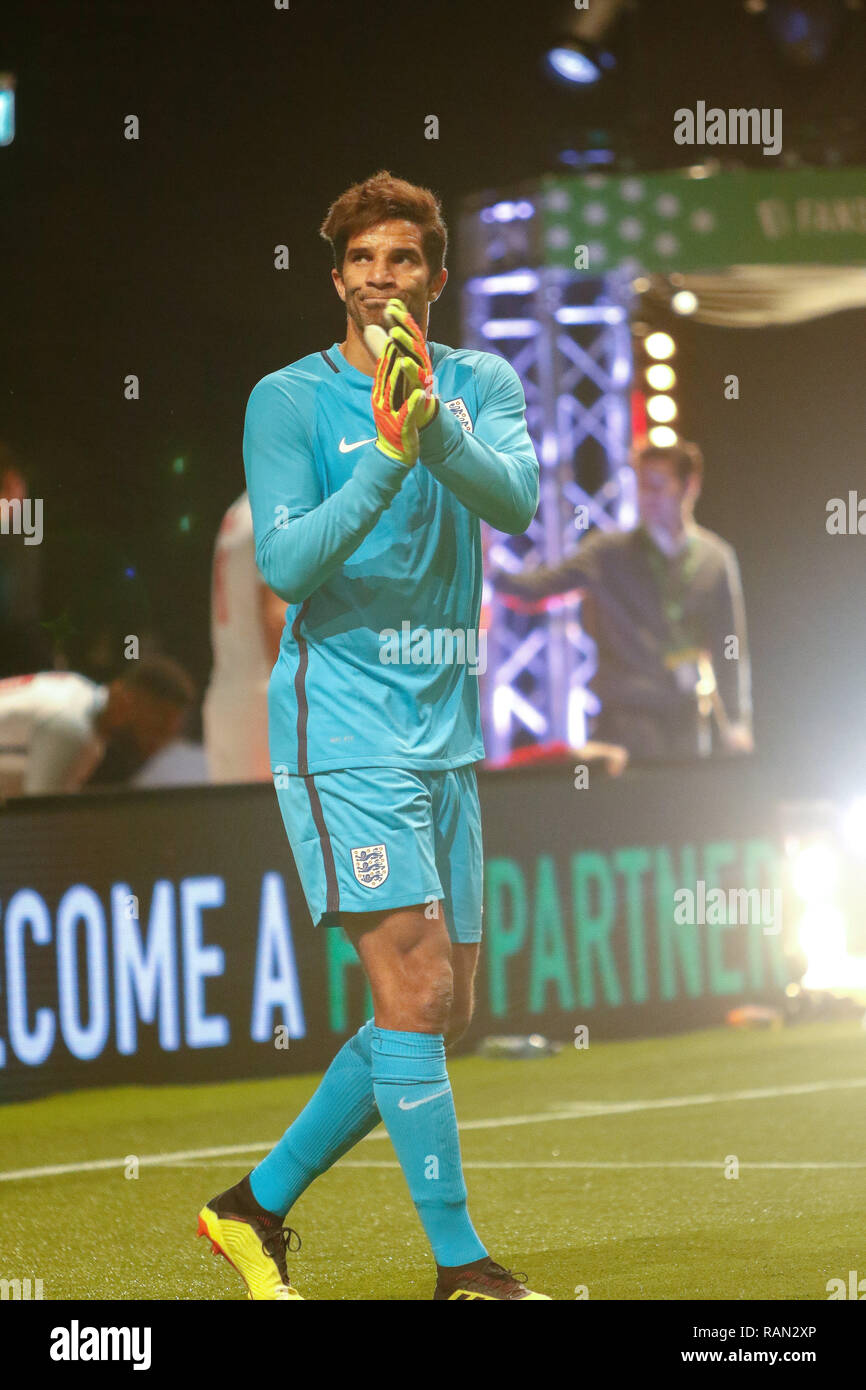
(94, 1165)
(589, 1110)
(585, 1110)
(588, 1164)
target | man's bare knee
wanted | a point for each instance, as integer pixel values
(407, 960)
(434, 1000)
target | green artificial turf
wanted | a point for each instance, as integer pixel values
(619, 1232)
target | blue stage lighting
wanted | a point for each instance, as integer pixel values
(7, 108)
(574, 65)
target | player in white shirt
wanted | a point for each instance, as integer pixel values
(246, 626)
(55, 725)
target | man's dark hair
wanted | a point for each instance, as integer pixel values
(686, 459)
(163, 678)
(375, 200)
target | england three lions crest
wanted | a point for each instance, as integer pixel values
(459, 408)
(370, 865)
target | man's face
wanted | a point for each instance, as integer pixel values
(385, 262)
(660, 495)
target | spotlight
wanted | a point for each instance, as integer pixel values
(576, 56)
(684, 302)
(662, 436)
(661, 409)
(822, 934)
(660, 377)
(822, 888)
(660, 345)
(815, 872)
(576, 64)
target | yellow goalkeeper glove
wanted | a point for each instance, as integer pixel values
(415, 360)
(397, 415)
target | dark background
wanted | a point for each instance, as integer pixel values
(155, 257)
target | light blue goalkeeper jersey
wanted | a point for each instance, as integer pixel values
(379, 563)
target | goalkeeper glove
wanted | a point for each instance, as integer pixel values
(415, 361)
(396, 414)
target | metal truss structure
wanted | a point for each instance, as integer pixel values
(568, 338)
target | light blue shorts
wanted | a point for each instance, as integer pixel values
(377, 838)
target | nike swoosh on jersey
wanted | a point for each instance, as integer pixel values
(413, 1104)
(347, 448)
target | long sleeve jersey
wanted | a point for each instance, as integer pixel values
(381, 565)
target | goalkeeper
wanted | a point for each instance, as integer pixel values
(370, 466)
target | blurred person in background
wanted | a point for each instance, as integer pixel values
(56, 726)
(24, 645)
(246, 627)
(612, 757)
(662, 603)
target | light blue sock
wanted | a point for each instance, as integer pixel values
(340, 1112)
(414, 1097)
